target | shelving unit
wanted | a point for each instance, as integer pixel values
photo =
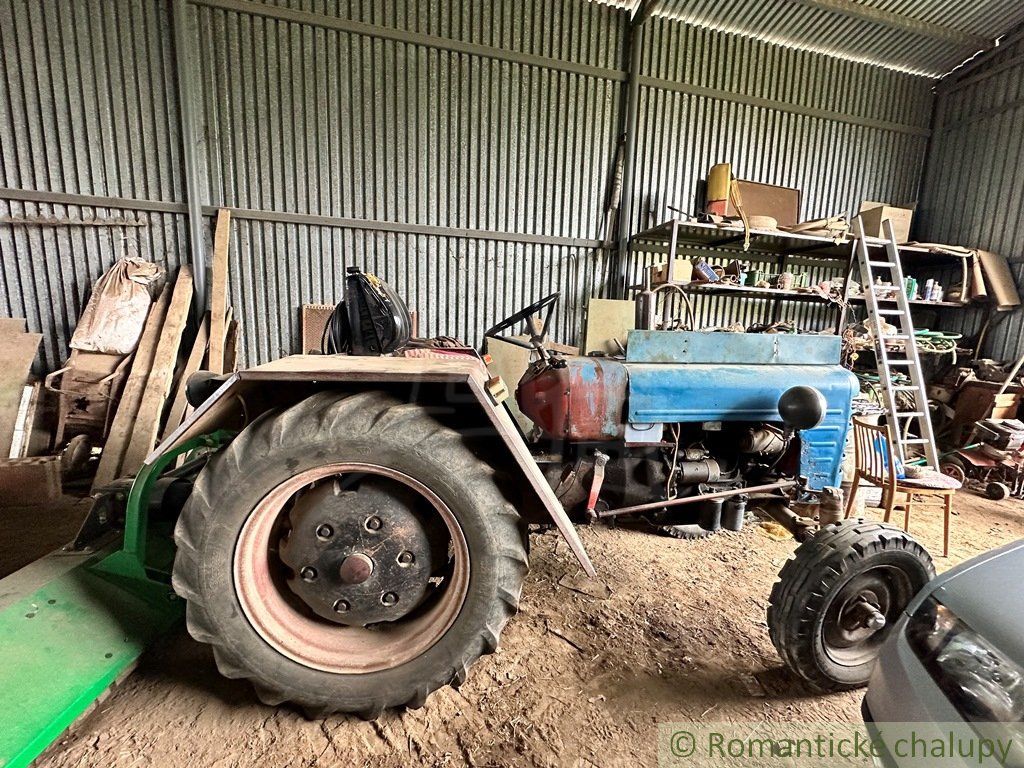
(781, 249)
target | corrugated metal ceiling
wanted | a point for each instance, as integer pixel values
(925, 37)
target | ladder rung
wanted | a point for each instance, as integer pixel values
(906, 414)
(904, 388)
(914, 441)
(891, 312)
(897, 337)
(901, 362)
(881, 263)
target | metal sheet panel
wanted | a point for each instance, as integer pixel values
(83, 112)
(973, 189)
(458, 286)
(685, 347)
(841, 156)
(308, 119)
(572, 30)
(503, 166)
(839, 131)
(46, 271)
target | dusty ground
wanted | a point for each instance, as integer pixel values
(579, 680)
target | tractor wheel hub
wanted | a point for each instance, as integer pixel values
(355, 569)
(358, 553)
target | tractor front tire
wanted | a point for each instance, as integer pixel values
(838, 597)
(241, 569)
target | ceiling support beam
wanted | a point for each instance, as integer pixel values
(855, 10)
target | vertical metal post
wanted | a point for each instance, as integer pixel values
(629, 140)
(666, 299)
(844, 307)
(189, 143)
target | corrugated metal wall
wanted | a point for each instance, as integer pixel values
(462, 153)
(88, 118)
(463, 150)
(973, 192)
(840, 131)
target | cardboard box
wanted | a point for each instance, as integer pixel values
(977, 400)
(683, 272)
(873, 214)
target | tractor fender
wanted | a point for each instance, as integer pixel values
(247, 393)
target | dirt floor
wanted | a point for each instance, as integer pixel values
(582, 677)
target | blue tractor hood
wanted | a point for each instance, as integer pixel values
(686, 377)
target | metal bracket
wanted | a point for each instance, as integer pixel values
(130, 561)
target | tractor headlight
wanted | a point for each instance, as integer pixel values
(982, 682)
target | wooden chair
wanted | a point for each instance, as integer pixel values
(872, 445)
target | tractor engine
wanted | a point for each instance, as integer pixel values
(689, 414)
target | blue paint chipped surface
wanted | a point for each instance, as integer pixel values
(688, 393)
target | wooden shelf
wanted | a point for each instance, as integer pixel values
(762, 241)
(747, 291)
(777, 243)
(916, 302)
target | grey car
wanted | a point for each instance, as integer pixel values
(954, 664)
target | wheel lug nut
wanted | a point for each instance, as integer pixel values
(373, 523)
(341, 606)
(406, 558)
(324, 531)
(308, 573)
(389, 599)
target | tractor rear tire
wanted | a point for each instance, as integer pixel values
(822, 608)
(325, 431)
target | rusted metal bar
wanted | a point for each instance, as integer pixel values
(691, 499)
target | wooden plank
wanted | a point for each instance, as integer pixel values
(608, 321)
(179, 404)
(231, 347)
(17, 351)
(510, 361)
(13, 325)
(161, 374)
(31, 436)
(128, 407)
(219, 291)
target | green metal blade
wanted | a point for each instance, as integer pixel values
(65, 642)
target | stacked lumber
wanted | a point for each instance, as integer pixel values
(147, 384)
(153, 403)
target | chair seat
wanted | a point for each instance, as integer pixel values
(928, 479)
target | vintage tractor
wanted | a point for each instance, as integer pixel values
(349, 531)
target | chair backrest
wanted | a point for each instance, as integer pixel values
(873, 451)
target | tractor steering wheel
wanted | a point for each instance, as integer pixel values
(526, 315)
